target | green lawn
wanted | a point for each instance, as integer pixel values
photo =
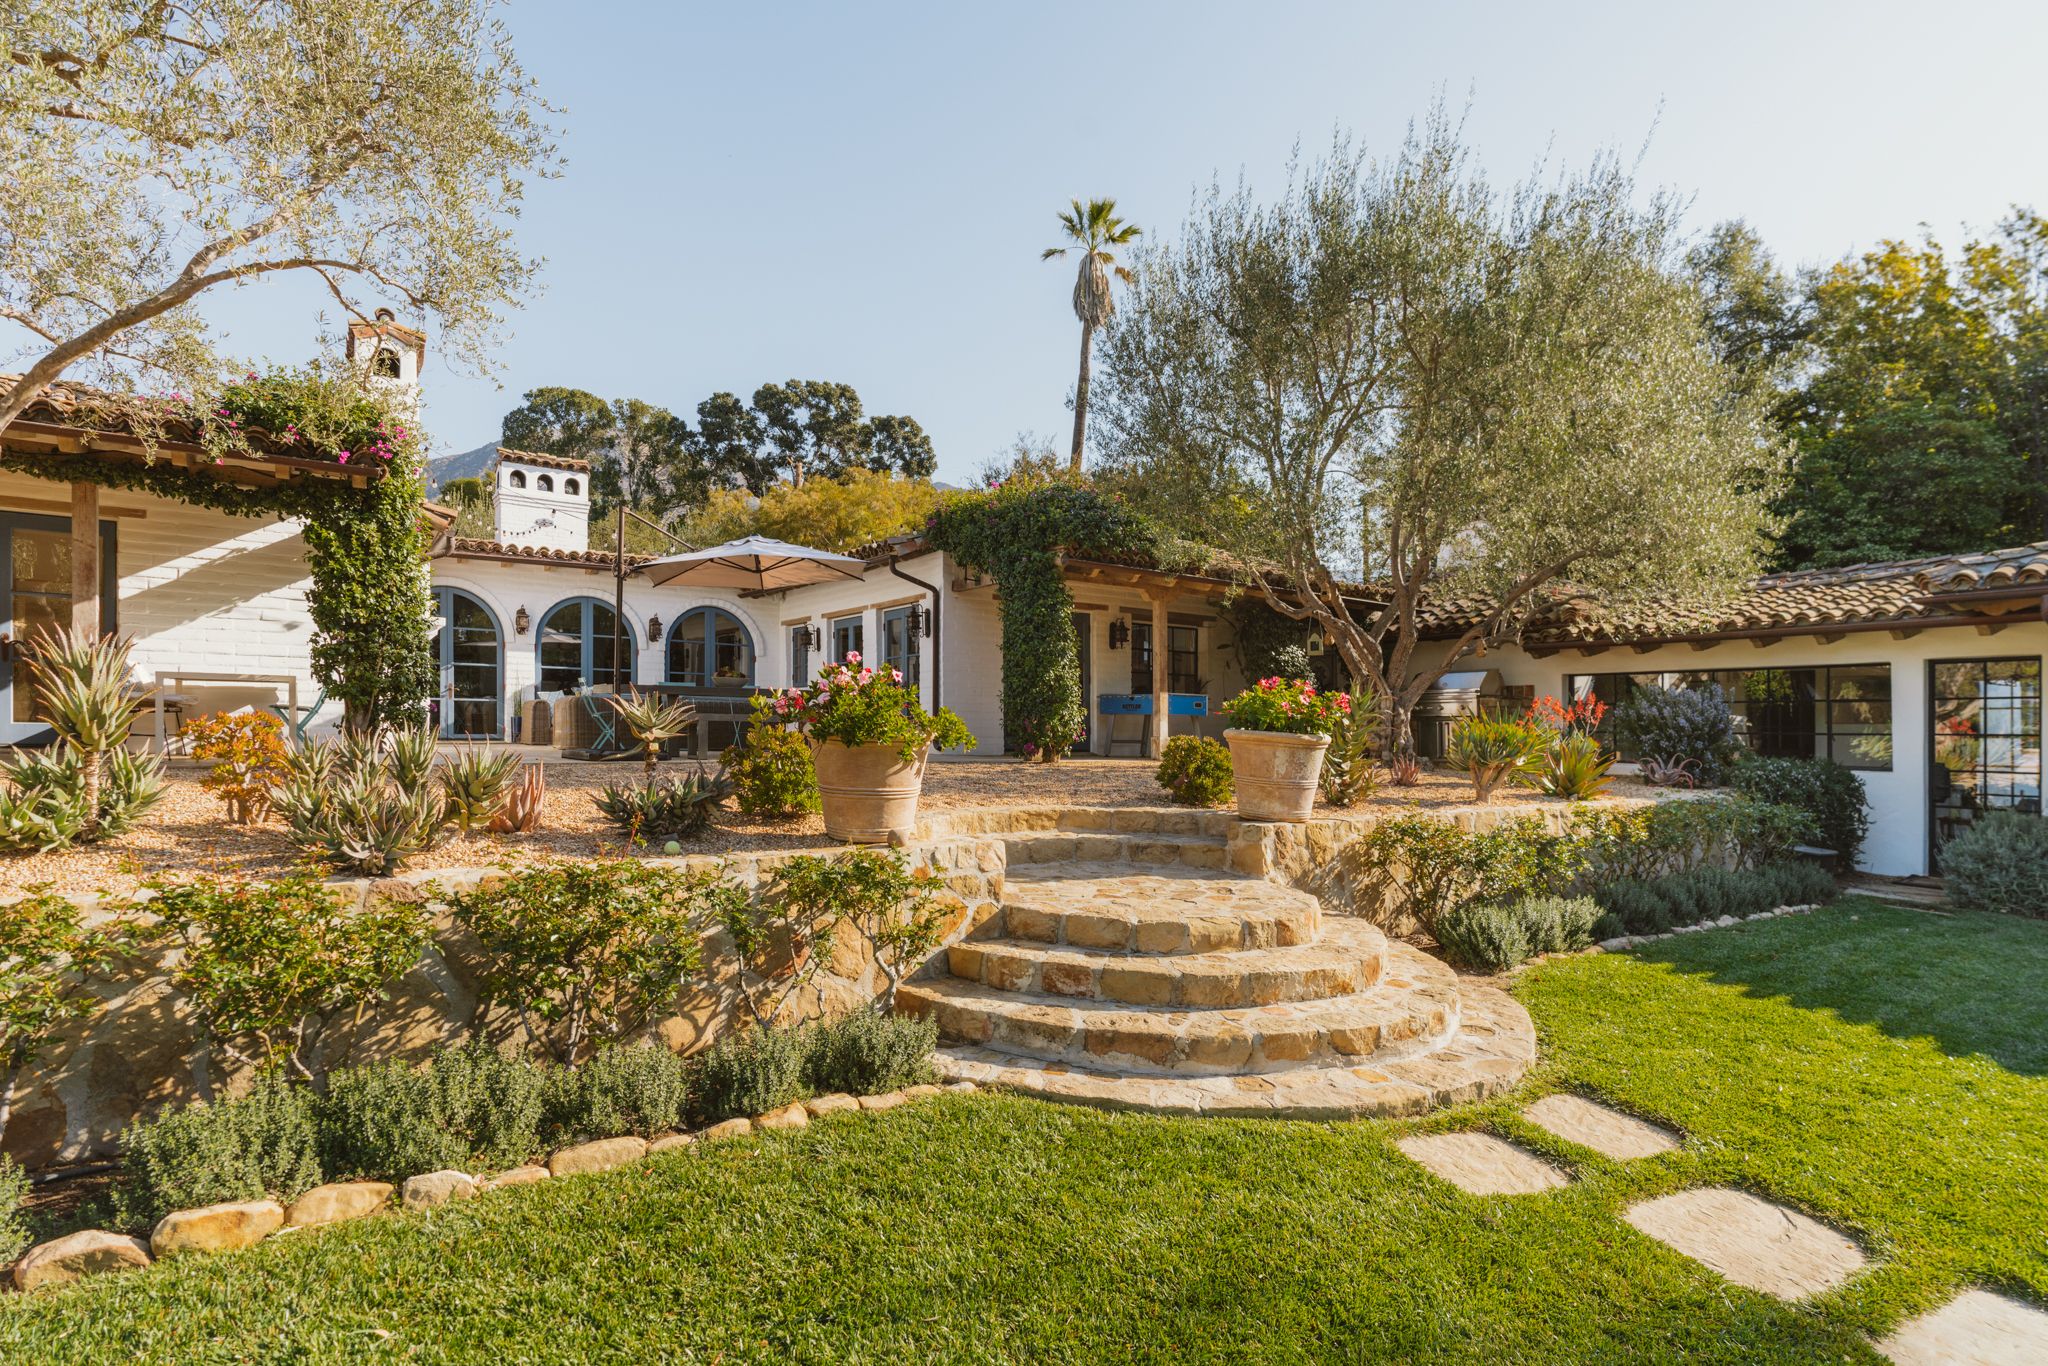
(1884, 1069)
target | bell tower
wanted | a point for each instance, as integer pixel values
(390, 354)
(542, 500)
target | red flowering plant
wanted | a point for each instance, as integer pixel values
(857, 704)
(1291, 705)
(1582, 717)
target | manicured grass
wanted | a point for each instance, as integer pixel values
(1880, 1068)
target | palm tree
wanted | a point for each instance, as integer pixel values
(1095, 228)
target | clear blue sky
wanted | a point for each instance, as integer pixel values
(859, 192)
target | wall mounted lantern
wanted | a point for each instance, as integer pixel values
(654, 628)
(814, 639)
(520, 621)
(1119, 633)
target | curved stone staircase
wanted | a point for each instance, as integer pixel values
(1131, 971)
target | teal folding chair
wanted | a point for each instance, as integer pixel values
(303, 722)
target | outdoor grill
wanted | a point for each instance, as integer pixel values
(1476, 692)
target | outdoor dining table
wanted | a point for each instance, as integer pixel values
(290, 683)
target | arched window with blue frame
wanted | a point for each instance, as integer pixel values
(709, 648)
(471, 651)
(574, 647)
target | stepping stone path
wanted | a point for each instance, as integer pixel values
(1480, 1164)
(1607, 1132)
(1751, 1241)
(1976, 1328)
(1133, 971)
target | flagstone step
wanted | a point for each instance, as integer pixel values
(1182, 910)
(1347, 958)
(1494, 1046)
(1062, 846)
(1414, 1005)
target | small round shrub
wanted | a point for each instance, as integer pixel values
(14, 1229)
(867, 1053)
(1558, 924)
(758, 1071)
(1482, 937)
(468, 1106)
(2000, 863)
(771, 771)
(1195, 771)
(1831, 794)
(1799, 884)
(1674, 724)
(260, 1145)
(642, 1089)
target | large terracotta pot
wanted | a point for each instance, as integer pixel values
(868, 792)
(1276, 773)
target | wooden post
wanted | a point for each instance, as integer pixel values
(85, 558)
(1160, 676)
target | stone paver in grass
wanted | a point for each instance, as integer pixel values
(1481, 1164)
(1751, 1241)
(1591, 1125)
(1976, 1328)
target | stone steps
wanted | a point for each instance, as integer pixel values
(1346, 959)
(1414, 1005)
(1146, 849)
(1494, 1046)
(1099, 906)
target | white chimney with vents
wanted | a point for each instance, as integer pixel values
(542, 500)
(390, 355)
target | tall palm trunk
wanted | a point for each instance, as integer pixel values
(1081, 393)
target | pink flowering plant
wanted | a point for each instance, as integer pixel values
(1291, 705)
(857, 704)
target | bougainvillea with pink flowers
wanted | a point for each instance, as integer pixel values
(857, 704)
(1287, 704)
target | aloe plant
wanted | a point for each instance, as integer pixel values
(653, 720)
(476, 780)
(520, 812)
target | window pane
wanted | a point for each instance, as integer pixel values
(733, 653)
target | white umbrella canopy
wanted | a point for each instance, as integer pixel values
(756, 562)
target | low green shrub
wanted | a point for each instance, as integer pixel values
(261, 1145)
(750, 1074)
(1799, 883)
(867, 1053)
(1195, 771)
(1558, 924)
(2000, 863)
(1698, 895)
(1483, 937)
(1831, 794)
(468, 1106)
(771, 769)
(639, 1089)
(14, 1230)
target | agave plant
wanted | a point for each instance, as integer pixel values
(1574, 767)
(365, 803)
(653, 720)
(1492, 750)
(409, 756)
(476, 780)
(357, 752)
(520, 811)
(1404, 770)
(1348, 765)
(666, 808)
(83, 689)
(1670, 772)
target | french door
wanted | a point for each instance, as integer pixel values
(35, 585)
(1984, 723)
(471, 652)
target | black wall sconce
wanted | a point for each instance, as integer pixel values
(1119, 633)
(653, 628)
(521, 621)
(920, 621)
(814, 639)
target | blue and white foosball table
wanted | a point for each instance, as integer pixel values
(1115, 707)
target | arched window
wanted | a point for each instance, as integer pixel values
(708, 648)
(384, 365)
(471, 652)
(575, 646)
(546, 483)
(569, 486)
(519, 479)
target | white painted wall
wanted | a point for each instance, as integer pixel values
(1898, 797)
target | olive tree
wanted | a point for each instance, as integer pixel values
(156, 151)
(1470, 401)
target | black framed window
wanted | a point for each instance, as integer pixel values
(1835, 711)
(799, 656)
(1183, 658)
(1986, 716)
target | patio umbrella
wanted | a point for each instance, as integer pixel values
(754, 562)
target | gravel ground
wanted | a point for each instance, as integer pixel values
(187, 831)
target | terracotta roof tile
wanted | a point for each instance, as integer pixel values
(474, 548)
(551, 462)
(2019, 566)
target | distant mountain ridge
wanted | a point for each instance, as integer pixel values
(462, 465)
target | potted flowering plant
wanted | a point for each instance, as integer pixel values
(1279, 732)
(869, 740)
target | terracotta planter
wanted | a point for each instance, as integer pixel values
(1276, 773)
(868, 792)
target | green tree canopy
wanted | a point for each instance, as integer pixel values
(156, 151)
(858, 508)
(1412, 378)
(639, 455)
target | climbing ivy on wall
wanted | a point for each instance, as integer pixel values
(366, 548)
(1015, 534)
